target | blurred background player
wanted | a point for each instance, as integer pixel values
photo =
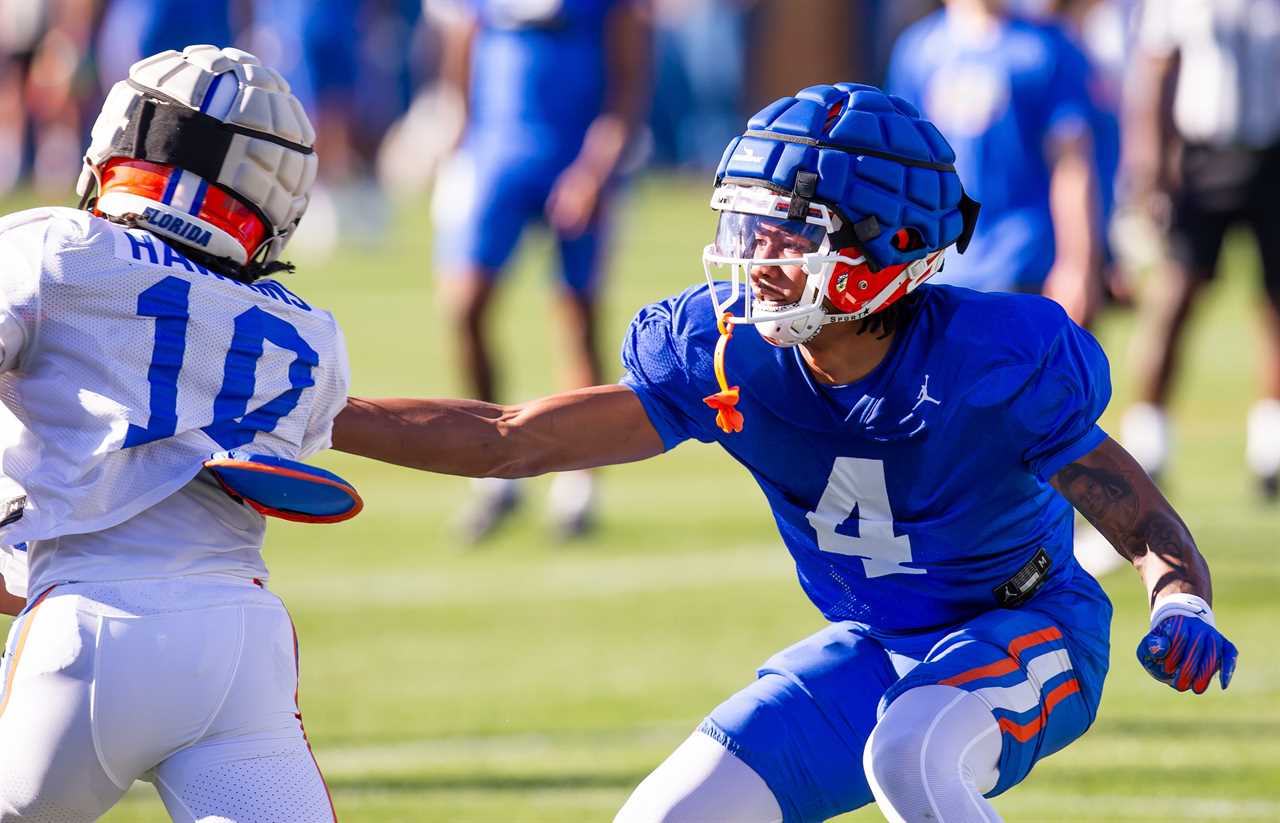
(886, 20)
(1203, 156)
(350, 65)
(24, 22)
(46, 83)
(133, 29)
(1034, 130)
(1104, 32)
(1012, 96)
(133, 343)
(698, 101)
(554, 92)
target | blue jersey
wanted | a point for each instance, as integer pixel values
(916, 497)
(537, 74)
(999, 98)
(176, 24)
(134, 29)
(320, 38)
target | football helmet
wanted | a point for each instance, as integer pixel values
(865, 189)
(207, 147)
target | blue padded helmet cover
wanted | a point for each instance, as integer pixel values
(874, 157)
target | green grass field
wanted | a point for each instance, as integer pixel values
(531, 681)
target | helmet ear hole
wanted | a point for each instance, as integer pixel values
(907, 239)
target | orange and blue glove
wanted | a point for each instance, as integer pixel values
(1184, 648)
(279, 487)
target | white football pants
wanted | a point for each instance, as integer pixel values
(189, 684)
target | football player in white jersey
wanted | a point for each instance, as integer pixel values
(134, 344)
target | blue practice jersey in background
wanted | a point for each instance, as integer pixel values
(999, 98)
(537, 74)
(134, 29)
(911, 498)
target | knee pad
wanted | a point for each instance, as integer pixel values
(933, 754)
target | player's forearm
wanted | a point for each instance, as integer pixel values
(604, 144)
(1074, 204)
(1109, 488)
(462, 437)
(455, 61)
(1148, 123)
(627, 96)
(581, 429)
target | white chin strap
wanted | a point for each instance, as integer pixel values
(788, 325)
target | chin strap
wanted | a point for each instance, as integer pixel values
(728, 418)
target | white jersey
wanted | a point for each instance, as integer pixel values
(125, 366)
(1229, 52)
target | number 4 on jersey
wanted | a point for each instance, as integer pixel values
(857, 487)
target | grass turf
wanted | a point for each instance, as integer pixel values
(534, 681)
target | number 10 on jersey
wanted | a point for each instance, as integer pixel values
(232, 424)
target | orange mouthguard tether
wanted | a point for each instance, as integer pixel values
(728, 418)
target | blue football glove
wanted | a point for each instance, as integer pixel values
(279, 487)
(1184, 648)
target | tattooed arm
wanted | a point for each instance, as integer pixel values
(1109, 488)
(1184, 647)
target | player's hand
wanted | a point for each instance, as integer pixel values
(574, 199)
(1184, 648)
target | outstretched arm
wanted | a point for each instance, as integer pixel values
(581, 429)
(1184, 648)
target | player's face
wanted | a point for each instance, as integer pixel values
(779, 284)
(771, 242)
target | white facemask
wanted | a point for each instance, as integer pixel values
(783, 325)
(752, 218)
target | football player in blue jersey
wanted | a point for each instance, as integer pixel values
(554, 92)
(1013, 96)
(921, 446)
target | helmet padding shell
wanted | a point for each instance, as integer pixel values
(220, 115)
(868, 155)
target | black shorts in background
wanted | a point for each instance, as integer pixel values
(1223, 187)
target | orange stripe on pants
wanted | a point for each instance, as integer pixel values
(1016, 647)
(27, 620)
(1002, 666)
(1020, 644)
(1059, 694)
(1025, 731)
(297, 667)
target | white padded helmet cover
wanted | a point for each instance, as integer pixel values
(273, 177)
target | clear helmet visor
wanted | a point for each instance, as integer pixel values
(759, 238)
(751, 243)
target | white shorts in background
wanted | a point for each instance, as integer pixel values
(188, 683)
